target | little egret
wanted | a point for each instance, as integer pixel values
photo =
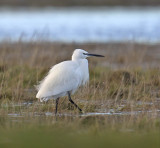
(65, 78)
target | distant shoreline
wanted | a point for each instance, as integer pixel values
(48, 3)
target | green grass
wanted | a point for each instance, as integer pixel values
(86, 132)
(53, 138)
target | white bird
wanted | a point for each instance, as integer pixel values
(65, 78)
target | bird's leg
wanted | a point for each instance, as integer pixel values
(56, 106)
(69, 97)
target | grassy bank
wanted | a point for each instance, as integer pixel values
(52, 136)
(91, 131)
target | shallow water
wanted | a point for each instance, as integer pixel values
(81, 24)
(102, 111)
(110, 113)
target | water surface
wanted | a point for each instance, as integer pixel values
(81, 24)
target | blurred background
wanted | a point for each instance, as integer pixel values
(80, 20)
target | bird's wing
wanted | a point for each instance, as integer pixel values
(61, 78)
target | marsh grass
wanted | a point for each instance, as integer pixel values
(133, 79)
(125, 85)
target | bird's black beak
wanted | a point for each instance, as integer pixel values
(95, 55)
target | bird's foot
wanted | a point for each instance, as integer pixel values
(80, 111)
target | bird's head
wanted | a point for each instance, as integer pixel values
(82, 54)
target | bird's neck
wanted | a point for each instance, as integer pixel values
(81, 62)
(75, 58)
(78, 60)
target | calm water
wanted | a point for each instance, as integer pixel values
(81, 24)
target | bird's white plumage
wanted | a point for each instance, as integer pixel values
(65, 76)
